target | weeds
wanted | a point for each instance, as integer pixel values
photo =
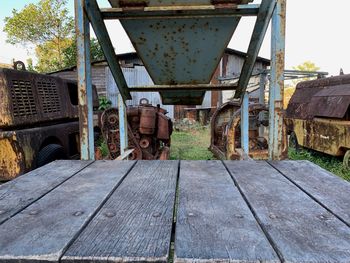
(330, 163)
(191, 145)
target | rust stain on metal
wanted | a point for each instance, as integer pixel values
(11, 159)
(318, 115)
(225, 132)
(35, 110)
(149, 131)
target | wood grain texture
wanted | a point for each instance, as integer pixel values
(135, 223)
(26, 189)
(301, 229)
(325, 187)
(42, 231)
(214, 224)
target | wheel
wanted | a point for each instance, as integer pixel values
(50, 153)
(346, 159)
(293, 141)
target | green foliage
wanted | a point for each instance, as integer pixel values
(327, 162)
(48, 27)
(104, 149)
(30, 66)
(191, 145)
(70, 53)
(102, 145)
(104, 103)
(37, 23)
(45, 25)
(50, 58)
(306, 66)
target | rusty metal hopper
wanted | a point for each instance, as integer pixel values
(180, 50)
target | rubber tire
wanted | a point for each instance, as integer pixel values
(346, 159)
(50, 153)
(293, 142)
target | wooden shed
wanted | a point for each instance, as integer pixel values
(136, 75)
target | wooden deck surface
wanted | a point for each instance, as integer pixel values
(175, 211)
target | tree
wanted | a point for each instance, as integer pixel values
(289, 88)
(48, 28)
(70, 53)
(48, 56)
(307, 66)
(45, 25)
(30, 66)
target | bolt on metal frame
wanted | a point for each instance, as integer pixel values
(88, 11)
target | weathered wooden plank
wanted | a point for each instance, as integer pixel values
(43, 231)
(135, 223)
(328, 189)
(26, 189)
(300, 229)
(214, 223)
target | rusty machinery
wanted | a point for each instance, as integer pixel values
(318, 116)
(226, 132)
(38, 120)
(149, 131)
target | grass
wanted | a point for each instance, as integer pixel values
(191, 145)
(330, 163)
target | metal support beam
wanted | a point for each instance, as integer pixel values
(278, 28)
(245, 124)
(123, 125)
(84, 83)
(262, 85)
(180, 11)
(184, 87)
(95, 17)
(260, 28)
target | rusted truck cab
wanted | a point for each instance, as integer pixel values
(38, 121)
(318, 116)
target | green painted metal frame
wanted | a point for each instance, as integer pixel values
(262, 22)
(93, 12)
(176, 12)
(268, 9)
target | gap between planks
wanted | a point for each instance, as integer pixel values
(261, 225)
(77, 234)
(309, 194)
(44, 194)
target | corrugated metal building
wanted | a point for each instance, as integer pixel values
(136, 75)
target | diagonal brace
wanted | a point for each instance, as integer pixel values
(262, 22)
(93, 12)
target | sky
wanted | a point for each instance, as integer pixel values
(316, 31)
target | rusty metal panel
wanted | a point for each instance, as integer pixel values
(181, 51)
(324, 135)
(145, 3)
(182, 97)
(328, 97)
(19, 148)
(28, 98)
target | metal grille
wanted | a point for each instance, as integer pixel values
(22, 98)
(49, 97)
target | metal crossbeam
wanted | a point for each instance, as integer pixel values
(93, 12)
(179, 11)
(265, 13)
(184, 87)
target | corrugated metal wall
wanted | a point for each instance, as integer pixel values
(233, 68)
(136, 76)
